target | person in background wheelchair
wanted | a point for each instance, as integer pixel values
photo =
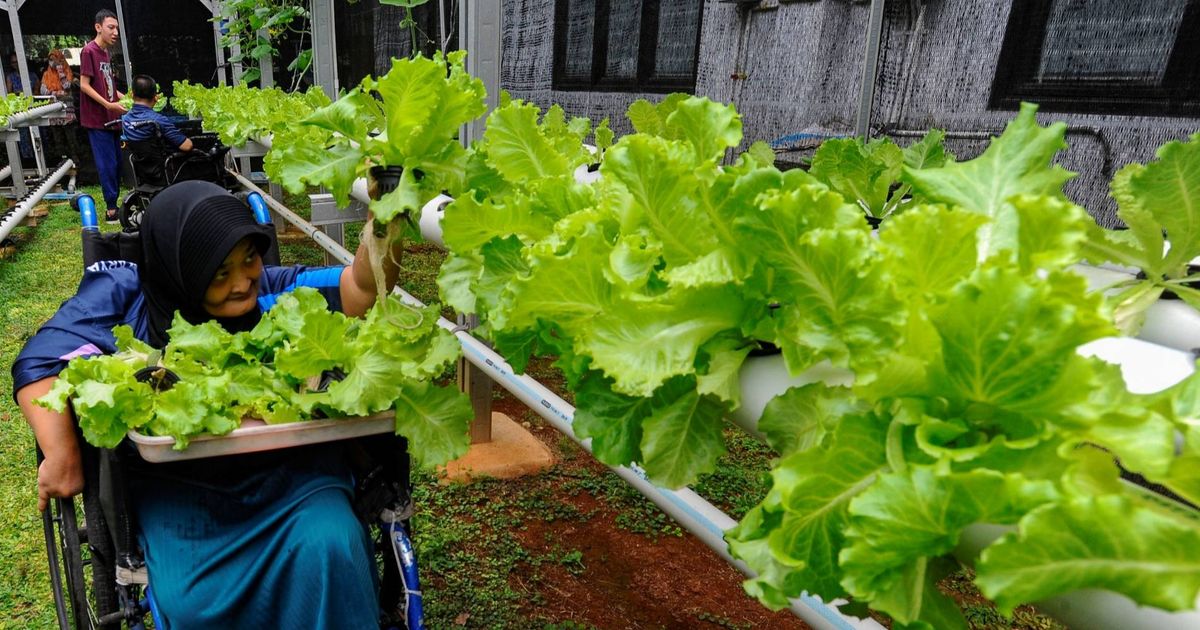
(245, 541)
(161, 154)
(143, 124)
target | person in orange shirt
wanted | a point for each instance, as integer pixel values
(58, 81)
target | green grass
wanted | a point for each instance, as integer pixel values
(44, 270)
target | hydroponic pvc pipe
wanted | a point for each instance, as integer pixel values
(1088, 608)
(18, 212)
(687, 508)
(5, 172)
(322, 239)
(19, 118)
(1170, 323)
(1146, 367)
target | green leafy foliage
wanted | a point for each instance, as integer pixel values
(254, 26)
(868, 173)
(1020, 161)
(390, 359)
(240, 113)
(979, 410)
(1159, 202)
(958, 324)
(13, 103)
(408, 118)
(1071, 545)
(632, 282)
(159, 104)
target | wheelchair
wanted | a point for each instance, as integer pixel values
(93, 535)
(155, 166)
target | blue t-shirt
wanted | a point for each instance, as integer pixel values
(143, 123)
(111, 294)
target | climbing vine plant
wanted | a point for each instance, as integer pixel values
(256, 25)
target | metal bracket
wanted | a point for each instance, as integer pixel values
(326, 212)
(331, 220)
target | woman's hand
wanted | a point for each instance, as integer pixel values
(59, 476)
(357, 283)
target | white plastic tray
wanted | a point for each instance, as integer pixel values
(254, 436)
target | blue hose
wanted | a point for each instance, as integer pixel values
(153, 605)
(403, 548)
(259, 206)
(87, 211)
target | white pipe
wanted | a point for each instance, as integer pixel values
(431, 219)
(1146, 367)
(32, 113)
(5, 172)
(1086, 608)
(1170, 323)
(687, 508)
(18, 212)
(764, 378)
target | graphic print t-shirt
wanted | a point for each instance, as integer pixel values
(95, 63)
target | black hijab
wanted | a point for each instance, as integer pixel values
(187, 231)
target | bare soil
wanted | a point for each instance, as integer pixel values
(634, 581)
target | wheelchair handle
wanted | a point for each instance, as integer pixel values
(86, 207)
(259, 206)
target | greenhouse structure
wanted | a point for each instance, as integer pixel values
(574, 314)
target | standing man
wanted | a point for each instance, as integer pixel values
(98, 106)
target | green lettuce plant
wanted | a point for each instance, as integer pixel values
(13, 103)
(1160, 204)
(239, 113)
(959, 323)
(390, 359)
(982, 413)
(868, 173)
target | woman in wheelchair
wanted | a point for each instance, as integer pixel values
(249, 541)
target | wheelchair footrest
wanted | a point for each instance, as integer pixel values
(126, 576)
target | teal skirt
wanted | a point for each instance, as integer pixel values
(257, 541)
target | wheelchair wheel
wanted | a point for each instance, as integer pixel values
(64, 546)
(130, 213)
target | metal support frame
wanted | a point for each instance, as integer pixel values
(870, 68)
(326, 216)
(12, 217)
(479, 34)
(266, 70)
(128, 62)
(479, 28)
(324, 39)
(216, 9)
(35, 136)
